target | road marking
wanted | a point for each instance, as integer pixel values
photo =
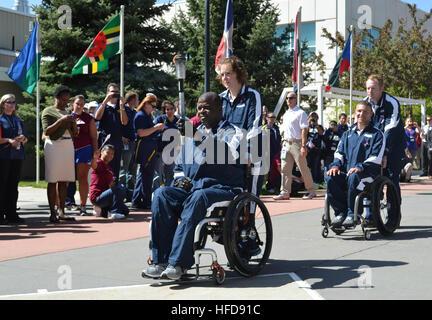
(300, 284)
(306, 287)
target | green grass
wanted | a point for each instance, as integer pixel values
(30, 183)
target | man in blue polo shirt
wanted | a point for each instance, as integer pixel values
(111, 115)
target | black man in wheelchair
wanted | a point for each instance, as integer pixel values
(357, 161)
(199, 182)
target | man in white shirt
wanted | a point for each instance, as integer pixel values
(294, 130)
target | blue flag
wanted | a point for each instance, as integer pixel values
(24, 71)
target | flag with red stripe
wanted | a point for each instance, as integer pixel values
(225, 49)
(297, 74)
(343, 64)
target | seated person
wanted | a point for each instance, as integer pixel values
(356, 161)
(197, 185)
(106, 194)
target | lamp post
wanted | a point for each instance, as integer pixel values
(207, 47)
(180, 64)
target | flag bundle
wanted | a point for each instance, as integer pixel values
(25, 70)
(225, 49)
(297, 74)
(104, 46)
(343, 64)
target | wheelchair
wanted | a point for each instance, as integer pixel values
(381, 198)
(243, 226)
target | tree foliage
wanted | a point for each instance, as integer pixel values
(255, 41)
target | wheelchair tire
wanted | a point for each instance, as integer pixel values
(385, 206)
(239, 233)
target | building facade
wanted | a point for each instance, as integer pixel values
(16, 27)
(334, 15)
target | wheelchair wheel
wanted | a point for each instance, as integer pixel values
(247, 238)
(385, 206)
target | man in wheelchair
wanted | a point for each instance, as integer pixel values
(357, 161)
(201, 179)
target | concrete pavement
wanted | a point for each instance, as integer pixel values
(94, 258)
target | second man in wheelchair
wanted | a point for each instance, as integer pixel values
(199, 182)
(357, 161)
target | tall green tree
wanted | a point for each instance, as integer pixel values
(255, 41)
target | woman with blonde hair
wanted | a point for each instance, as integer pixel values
(12, 138)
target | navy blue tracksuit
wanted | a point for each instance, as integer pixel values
(358, 149)
(387, 118)
(211, 183)
(245, 112)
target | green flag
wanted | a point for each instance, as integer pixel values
(104, 46)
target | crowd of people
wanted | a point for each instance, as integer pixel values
(114, 149)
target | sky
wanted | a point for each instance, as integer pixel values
(425, 5)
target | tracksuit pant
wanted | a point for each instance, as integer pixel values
(342, 190)
(172, 241)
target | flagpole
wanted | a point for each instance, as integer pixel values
(38, 115)
(299, 69)
(351, 70)
(122, 50)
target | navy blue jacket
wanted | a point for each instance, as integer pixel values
(360, 149)
(387, 118)
(11, 127)
(192, 162)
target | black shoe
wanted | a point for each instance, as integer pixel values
(349, 222)
(424, 175)
(17, 220)
(337, 222)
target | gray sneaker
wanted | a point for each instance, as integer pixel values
(154, 271)
(173, 273)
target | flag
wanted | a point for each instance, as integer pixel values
(225, 49)
(104, 46)
(24, 71)
(343, 64)
(297, 74)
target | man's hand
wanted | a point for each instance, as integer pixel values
(353, 170)
(335, 171)
(303, 151)
(184, 183)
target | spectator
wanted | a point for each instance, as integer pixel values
(13, 136)
(164, 172)
(86, 145)
(128, 168)
(111, 115)
(106, 194)
(275, 144)
(146, 149)
(59, 128)
(412, 132)
(242, 107)
(342, 126)
(198, 185)
(331, 141)
(196, 122)
(426, 146)
(156, 112)
(92, 107)
(294, 138)
(314, 144)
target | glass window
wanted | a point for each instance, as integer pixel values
(308, 34)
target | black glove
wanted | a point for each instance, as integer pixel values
(184, 183)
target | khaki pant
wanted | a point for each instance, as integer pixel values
(294, 155)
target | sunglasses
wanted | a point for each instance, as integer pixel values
(10, 102)
(291, 98)
(154, 105)
(271, 117)
(170, 109)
